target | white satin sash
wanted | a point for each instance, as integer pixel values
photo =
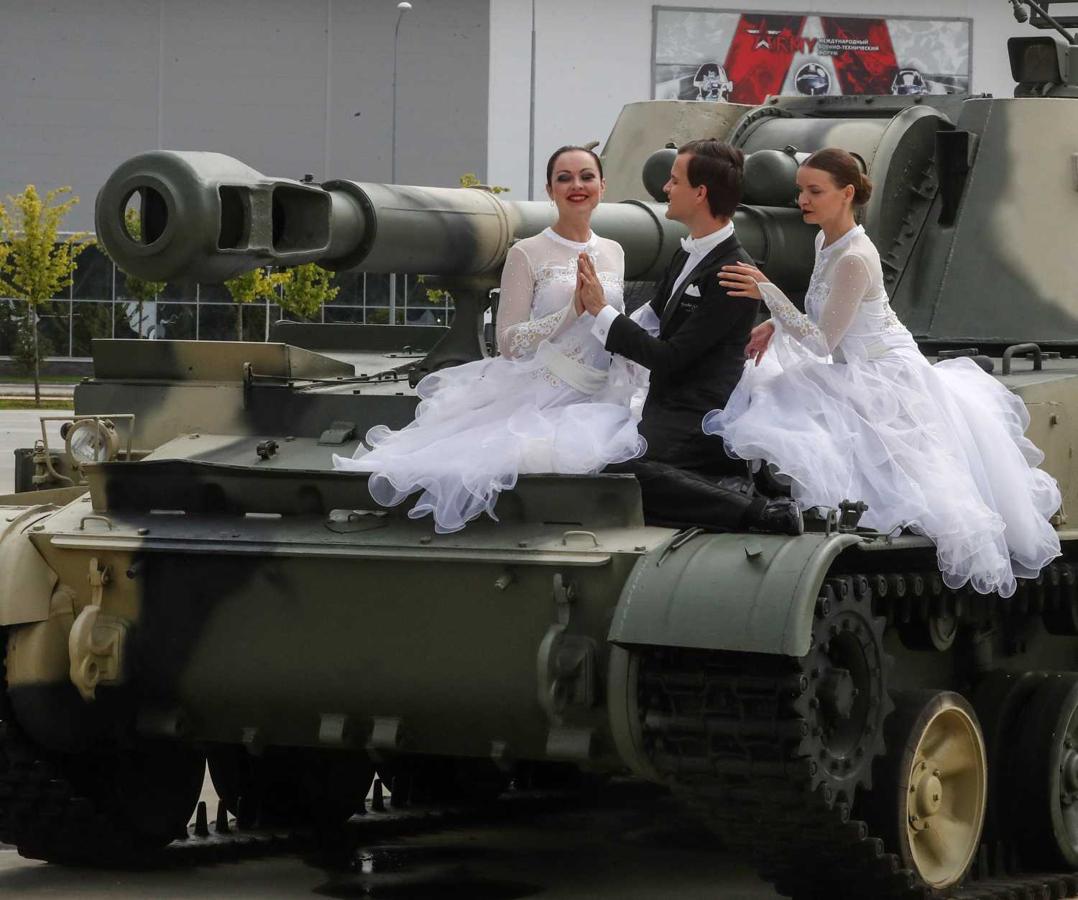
(584, 378)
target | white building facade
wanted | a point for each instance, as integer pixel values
(592, 58)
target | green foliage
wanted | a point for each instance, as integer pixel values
(37, 265)
(9, 328)
(306, 289)
(470, 179)
(29, 347)
(250, 287)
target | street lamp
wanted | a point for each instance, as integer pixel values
(402, 8)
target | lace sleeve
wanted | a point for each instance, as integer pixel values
(847, 287)
(518, 333)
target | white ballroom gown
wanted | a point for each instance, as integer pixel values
(549, 403)
(846, 406)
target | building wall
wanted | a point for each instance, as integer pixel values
(288, 86)
(593, 58)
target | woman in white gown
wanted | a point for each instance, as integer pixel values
(546, 404)
(841, 401)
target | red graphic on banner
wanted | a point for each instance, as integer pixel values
(760, 55)
(868, 64)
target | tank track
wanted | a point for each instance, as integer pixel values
(731, 732)
(41, 812)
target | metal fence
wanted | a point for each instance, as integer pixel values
(97, 305)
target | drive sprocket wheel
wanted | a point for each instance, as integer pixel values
(847, 700)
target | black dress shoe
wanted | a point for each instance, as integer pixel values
(779, 516)
(769, 483)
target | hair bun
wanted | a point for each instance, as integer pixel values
(862, 192)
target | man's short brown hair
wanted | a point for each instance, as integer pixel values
(721, 169)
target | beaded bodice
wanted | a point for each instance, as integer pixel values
(847, 311)
(536, 303)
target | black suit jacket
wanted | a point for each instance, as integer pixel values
(695, 362)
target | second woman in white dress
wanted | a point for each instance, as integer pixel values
(846, 406)
(548, 403)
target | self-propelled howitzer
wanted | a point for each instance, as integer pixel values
(850, 724)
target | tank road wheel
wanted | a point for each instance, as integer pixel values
(1000, 700)
(930, 798)
(847, 700)
(1045, 775)
(101, 808)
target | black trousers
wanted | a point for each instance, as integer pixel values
(718, 499)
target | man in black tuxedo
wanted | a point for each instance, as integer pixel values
(692, 338)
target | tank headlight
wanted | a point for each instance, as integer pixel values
(91, 441)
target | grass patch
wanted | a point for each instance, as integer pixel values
(28, 403)
(45, 379)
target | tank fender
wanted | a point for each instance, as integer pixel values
(26, 580)
(751, 593)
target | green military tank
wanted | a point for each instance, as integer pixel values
(208, 587)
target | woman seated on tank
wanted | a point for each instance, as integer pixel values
(549, 403)
(840, 400)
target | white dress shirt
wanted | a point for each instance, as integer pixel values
(645, 316)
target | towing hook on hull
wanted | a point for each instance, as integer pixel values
(95, 644)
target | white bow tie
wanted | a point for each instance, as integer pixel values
(691, 245)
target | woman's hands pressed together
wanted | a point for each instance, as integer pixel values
(589, 296)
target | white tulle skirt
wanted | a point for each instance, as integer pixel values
(480, 425)
(939, 449)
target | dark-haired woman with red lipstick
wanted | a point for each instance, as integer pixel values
(547, 403)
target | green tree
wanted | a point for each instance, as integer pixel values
(250, 287)
(306, 289)
(470, 179)
(38, 265)
(137, 289)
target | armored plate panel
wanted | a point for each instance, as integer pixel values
(208, 360)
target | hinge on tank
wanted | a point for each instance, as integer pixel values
(566, 673)
(95, 644)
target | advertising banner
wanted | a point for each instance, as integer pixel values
(742, 57)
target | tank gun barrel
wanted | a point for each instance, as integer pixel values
(209, 217)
